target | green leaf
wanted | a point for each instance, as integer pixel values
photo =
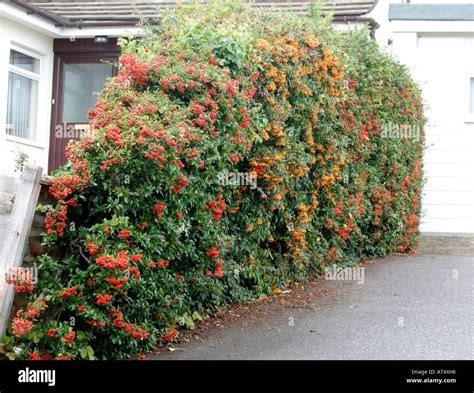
(84, 352)
(10, 355)
(90, 352)
(196, 316)
(189, 323)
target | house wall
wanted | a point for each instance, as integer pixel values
(442, 63)
(37, 151)
(440, 56)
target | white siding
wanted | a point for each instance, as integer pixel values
(442, 63)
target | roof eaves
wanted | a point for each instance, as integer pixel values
(36, 11)
(87, 13)
(433, 12)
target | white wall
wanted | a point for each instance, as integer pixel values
(445, 64)
(42, 45)
(440, 55)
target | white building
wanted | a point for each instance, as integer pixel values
(435, 39)
(52, 62)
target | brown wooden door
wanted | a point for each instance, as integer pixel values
(78, 78)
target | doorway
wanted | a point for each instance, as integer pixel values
(80, 71)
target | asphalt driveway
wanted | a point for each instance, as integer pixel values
(419, 307)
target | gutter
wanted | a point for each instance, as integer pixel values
(359, 19)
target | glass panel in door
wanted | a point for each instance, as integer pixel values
(82, 83)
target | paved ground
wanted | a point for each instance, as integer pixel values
(446, 244)
(419, 307)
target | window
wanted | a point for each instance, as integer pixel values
(82, 82)
(22, 101)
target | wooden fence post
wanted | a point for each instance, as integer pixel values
(16, 236)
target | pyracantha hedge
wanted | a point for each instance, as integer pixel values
(233, 153)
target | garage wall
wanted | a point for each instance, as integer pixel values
(443, 63)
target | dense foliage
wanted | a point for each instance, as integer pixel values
(234, 153)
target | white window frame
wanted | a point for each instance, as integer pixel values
(469, 115)
(31, 75)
